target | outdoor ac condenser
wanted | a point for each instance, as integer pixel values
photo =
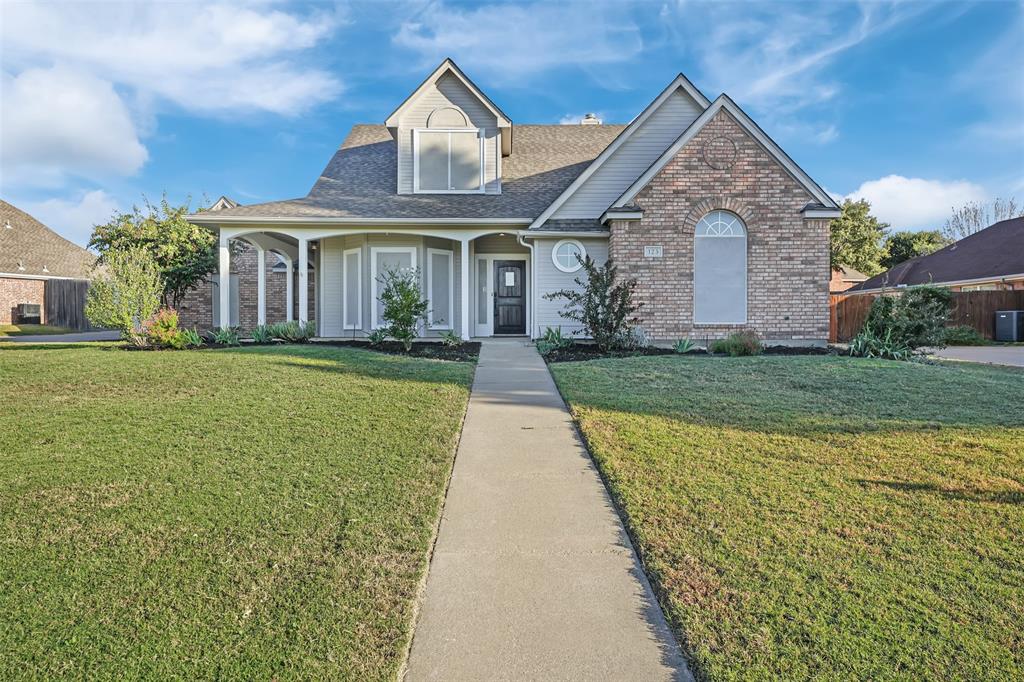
(1010, 325)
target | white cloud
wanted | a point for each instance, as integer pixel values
(912, 203)
(73, 219)
(510, 41)
(60, 121)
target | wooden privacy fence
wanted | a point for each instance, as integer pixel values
(977, 309)
(64, 303)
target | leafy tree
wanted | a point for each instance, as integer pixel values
(184, 253)
(405, 309)
(856, 238)
(125, 292)
(975, 217)
(902, 246)
(602, 305)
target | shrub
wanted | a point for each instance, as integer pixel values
(225, 336)
(125, 293)
(963, 335)
(552, 340)
(377, 337)
(682, 346)
(914, 319)
(262, 334)
(451, 339)
(190, 338)
(161, 329)
(292, 332)
(602, 305)
(867, 344)
(405, 309)
(737, 344)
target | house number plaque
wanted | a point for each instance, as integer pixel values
(653, 251)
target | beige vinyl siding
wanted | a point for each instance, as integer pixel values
(448, 92)
(548, 278)
(630, 160)
(331, 295)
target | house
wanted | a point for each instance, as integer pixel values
(720, 228)
(844, 277)
(991, 259)
(31, 255)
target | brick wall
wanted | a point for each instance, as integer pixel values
(14, 291)
(196, 310)
(787, 256)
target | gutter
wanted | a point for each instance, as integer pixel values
(998, 279)
(539, 234)
(12, 275)
(211, 218)
(533, 278)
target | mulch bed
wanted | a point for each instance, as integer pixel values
(469, 351)
(586, 351)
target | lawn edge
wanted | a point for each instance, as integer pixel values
(650, 577)
(421, 587)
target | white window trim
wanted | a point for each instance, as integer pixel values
(374, 250)
(554, 255)
(451, 286)
(416, 160)
(746, 273)
(359, 288)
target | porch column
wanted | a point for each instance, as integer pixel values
(464, 264)
(224, 282)
(303, 280)
(261, 286)
(289, 295)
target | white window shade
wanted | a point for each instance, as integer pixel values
(448, 161)
(382, 260)
(439, 288)
(720, 270)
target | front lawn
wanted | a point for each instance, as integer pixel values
(30, 329)
(821, 517)
(258, 513)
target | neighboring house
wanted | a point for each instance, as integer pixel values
(845, 277)
(31, 254)
(720, 228)
(992, 259)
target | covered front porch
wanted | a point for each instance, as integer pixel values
(478, 281)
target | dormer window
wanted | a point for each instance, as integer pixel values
(448, 160)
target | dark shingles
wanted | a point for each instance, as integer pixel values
(31, 245)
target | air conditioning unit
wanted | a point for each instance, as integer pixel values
(1010, 325)
(28, 313)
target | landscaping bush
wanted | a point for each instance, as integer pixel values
(738, 344)
(405, 309)
(225, 336)
(602, 305)
(377, 337)
(161, 329)
(915, 318)
(262, 334)
(867, 344)
(191, 338)
(552, 340)
(451, 339)
(293, 332)
(125, 293)
(963, 335)
(682, 346)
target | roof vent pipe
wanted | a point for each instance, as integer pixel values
(590, 120)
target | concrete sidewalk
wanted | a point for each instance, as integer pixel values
(1012, 356)
(533, 576)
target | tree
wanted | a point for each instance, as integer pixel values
(902, 246)
(125, 292)
(405, 309)
(602, 305)
(856, 238)
(975, 217)
(184, 253)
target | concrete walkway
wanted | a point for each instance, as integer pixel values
(74, 337)
(533, 576)
(1012, 356)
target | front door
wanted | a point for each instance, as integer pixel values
(509, 297)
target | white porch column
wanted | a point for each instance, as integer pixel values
(464, 264)
(303, 280)
(224, 282)
(289, 294)
(261, 286)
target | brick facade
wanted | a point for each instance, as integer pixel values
(14, 290)
(787, 256)
(196, 310)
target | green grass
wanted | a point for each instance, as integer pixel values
(246, 514)
(821, 517)
(30, 329)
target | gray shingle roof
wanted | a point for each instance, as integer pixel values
(29, 246)
(360, 181)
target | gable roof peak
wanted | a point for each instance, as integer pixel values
(448, 65)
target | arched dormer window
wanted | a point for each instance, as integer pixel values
(720, 269)
(448, 154)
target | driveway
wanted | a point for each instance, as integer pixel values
(1012, 356)
(62, 338)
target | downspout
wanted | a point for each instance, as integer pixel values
(533, 280)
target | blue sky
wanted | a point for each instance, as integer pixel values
(916, 106)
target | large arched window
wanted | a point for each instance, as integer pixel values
(720, 269)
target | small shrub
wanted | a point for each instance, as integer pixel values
(867, 344)
(636, 338)
(602, 305)
(161, 329)
(552, 340)
(190, 338)
(451, 339)
(294, 332)
(377, 337)
(738, 344)
(915, 318)
(262, 334)
(682, 346)
(964, 335)
(225, 336)
(405, 309)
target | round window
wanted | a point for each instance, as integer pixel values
(567, 255)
